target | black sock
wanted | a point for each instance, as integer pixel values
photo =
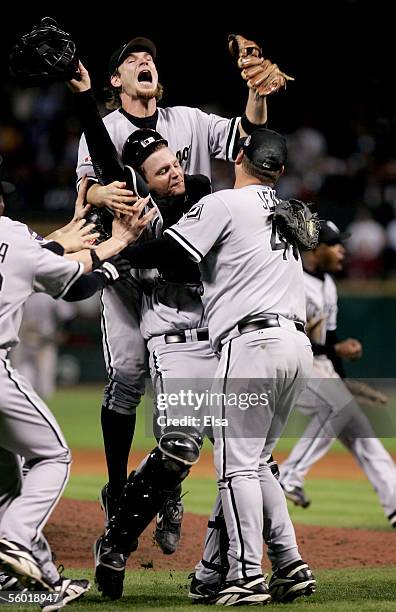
(118, 430)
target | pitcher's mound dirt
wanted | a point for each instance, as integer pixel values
(75, 525)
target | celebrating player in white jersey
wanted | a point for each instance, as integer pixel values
(28, 430)
(195, 137)
(334, 410)
(255, 306)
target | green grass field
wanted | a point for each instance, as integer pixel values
(352, 590)
(78, 412)
(345, 503)
(342, 503)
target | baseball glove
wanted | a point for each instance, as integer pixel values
(261, 74)
(365, 395)
(44, 55)
(296, 224)
(103, 219)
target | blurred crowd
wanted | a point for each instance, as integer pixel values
(351, 177)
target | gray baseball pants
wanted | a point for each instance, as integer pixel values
(337, 415)
(276, 361)
(29, 430)
(181, 367)
(123, 347)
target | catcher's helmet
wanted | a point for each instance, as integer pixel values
(140, 145)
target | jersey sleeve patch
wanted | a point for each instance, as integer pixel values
(34, 235)
(195, 212)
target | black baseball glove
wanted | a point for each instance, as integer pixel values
(297, 224)
(103, 217)
(103, 220)
(44, 55)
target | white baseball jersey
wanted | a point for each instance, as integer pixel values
(245, 269)
(190, 132)
(25, 267)
(321, 303)
(167, 306)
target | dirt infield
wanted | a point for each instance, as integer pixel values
(335, 465)
(75, 525)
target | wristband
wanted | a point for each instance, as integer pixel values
(96, 262)
(248, 126)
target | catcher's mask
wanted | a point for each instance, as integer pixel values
(139, 146)
(266, 149)
(45, 55)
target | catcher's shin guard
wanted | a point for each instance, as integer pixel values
(219, 563)
(147, 489)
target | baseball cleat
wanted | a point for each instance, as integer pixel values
(252, 591)
(296, 495)
(109, 569)
(108, 503)
(10, 583)
(292, 581)
(69, 590)
(168, 528)
(202, 592)
(18, 561)
(392, 519)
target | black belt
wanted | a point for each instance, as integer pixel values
(180, 336)
(262, 322)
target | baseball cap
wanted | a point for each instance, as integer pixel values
(266, 149)
(140, 43)
(139, 146)
(330, 234)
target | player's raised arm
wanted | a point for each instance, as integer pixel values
(111, 190)
(263, 78)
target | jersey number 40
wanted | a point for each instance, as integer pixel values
(278, 243)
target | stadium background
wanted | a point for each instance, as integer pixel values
(339, 53)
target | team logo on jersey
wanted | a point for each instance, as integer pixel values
(195, 212)
(183, 154)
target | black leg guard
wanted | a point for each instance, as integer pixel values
(222, 566)
(274, 467)
(147, 489)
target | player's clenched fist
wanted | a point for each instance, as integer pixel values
(349, 349)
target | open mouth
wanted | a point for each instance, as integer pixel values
(145, 77)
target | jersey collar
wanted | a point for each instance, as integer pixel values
(142, 122)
